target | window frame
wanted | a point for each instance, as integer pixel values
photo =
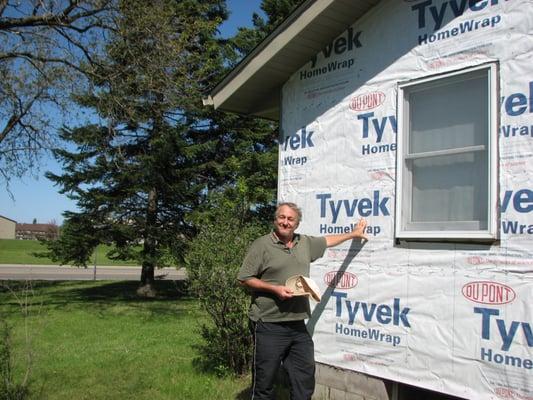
(404, 175)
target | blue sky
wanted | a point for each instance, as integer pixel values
(38, 198)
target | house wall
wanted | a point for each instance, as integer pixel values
(338, 150)
(36, 231)
(7, 228)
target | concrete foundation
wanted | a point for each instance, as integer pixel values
(339, 384)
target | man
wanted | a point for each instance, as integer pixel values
(277, 315)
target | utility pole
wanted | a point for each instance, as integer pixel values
(94, 269)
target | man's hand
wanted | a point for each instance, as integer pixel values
(358, 231)
(283, 292)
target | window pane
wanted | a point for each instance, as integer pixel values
(450, 188)
(450, 115)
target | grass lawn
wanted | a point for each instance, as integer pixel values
(13, 251)
(97, 340)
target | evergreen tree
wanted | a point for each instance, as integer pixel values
(145, 174)
(255, 155)
(157, 152)
(276, 11)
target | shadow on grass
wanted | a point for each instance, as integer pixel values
(99, 295)
(101, 290)
(126, 291)
(245, 394)
(281, 390)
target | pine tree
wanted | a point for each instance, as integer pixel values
(276, 11)
(145, 174)
(255, 152)
(157, 152)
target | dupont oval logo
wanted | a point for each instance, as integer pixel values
(340, 280)
(485, 292)
(367, 101)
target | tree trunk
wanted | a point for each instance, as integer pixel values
(147, 288)
(147, 273)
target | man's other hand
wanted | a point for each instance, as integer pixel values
(283, 292)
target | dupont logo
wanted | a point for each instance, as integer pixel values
(486, 292)
(367, 101)
(340, 280)
(508, 393)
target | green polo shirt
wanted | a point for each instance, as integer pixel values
(270, 260)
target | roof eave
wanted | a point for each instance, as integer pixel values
(253, 87)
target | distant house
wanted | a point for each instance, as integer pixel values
(7, 228)
(36, 231)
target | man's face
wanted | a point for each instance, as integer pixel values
(286, 222)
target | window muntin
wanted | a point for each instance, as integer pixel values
(446, 155)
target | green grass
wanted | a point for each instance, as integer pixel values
(97, 340)
(14, 251)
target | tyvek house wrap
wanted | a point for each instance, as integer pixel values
(420, 313)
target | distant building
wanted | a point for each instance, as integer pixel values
(7, 228)
(36, 231)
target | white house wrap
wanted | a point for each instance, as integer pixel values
(449, 315)
(419, 118)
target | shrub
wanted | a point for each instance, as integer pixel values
(213, 261)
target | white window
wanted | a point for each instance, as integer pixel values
(446, 156)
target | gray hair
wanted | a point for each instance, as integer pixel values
(292, 206)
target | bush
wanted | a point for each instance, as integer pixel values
(213, 262)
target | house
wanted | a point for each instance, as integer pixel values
(7, 228)
(37, 231)
(417, 115)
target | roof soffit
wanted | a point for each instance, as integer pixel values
(260, 76)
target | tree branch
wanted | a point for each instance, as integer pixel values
(17, 118)
(3, 5)
(29, 56)
(61, 18)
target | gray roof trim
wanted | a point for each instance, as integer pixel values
(253, 87)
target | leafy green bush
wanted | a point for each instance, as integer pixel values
(213, 262)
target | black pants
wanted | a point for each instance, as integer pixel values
(288, 343)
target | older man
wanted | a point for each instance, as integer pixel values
(277, 315)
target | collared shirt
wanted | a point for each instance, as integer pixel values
(270, 260)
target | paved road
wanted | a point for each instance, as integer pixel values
(67, 273)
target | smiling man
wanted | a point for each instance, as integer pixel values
(277, 315)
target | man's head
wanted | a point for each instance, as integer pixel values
(286, 220)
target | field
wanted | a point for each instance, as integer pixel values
(14, 251)
(98, 340)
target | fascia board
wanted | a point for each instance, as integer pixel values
(289, 30)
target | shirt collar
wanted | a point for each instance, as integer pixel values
(276, 239)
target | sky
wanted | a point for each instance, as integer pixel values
(37, 198)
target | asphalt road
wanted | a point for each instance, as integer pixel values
(68, 273)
